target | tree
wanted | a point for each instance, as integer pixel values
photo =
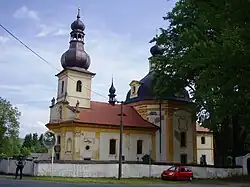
(25, 151)
(207, 50)
(9, 128)
(33, 143)
(34, 138)
(42, 149)
(28, 141)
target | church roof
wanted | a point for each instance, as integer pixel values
(145, 92)
(104, 114)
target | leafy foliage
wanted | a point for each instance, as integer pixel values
(147, 159)
(10, 144)
(207, 50)
(33, 143)
(9, 128)
(24, 151)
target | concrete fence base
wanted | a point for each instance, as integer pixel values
(111, 170)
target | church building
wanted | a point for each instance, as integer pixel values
(89, 130)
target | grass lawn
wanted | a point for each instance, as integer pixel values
(99, 180)
(241, 179)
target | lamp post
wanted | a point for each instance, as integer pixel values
(113, 101)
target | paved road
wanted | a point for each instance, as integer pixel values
(33, 183)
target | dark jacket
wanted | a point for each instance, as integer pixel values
(20, 163)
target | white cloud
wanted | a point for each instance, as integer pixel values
(24, 13)
(44, 31)
(53, 30)
(3, 40)
(29, 83)
(29, 122)
(61, 32)
(57, 29)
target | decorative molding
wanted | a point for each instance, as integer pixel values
(182, 123)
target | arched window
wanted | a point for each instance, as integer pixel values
(62, 87)
(79, 86)
(112, 147)
(139, 147)
(133, 89)
(203, 140)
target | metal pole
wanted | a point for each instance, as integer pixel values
(150, 163)
(52, 161)
(8, 165)
(120, 146)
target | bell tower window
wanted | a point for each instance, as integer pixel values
(133, 89)
(79, 86)
(62, 87)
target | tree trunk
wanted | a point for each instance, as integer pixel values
(222, 143)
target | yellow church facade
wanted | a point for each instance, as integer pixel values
(89, 130)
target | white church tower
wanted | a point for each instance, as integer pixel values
(74, 81)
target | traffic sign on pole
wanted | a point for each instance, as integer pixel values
(49, 141)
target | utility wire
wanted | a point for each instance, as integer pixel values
(47, 62)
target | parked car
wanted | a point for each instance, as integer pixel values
(177, 173)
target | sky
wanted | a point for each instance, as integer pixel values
(117, 40)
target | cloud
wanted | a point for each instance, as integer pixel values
(3, 40)
(52, 30)
(61, 32)
(44, 29)
(29, 83)
(29, 122)
(24, 13)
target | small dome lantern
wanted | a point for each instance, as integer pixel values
(112, 95)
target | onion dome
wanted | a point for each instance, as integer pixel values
(112, 89)
(76, 56)
(112, 94)
(78, 24)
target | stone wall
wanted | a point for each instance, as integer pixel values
(128, 170)
(9, 167)
(109, 169)
(243, 161)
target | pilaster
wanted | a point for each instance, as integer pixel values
(169, 137)
(62, 144)
(153, 147)
(195, 143)
(97, 151)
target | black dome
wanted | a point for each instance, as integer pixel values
(145, 92)
(78, 25)
(156, 50)
(112, 89)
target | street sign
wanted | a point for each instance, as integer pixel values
(49, 139)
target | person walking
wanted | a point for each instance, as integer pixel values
(20, 163)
